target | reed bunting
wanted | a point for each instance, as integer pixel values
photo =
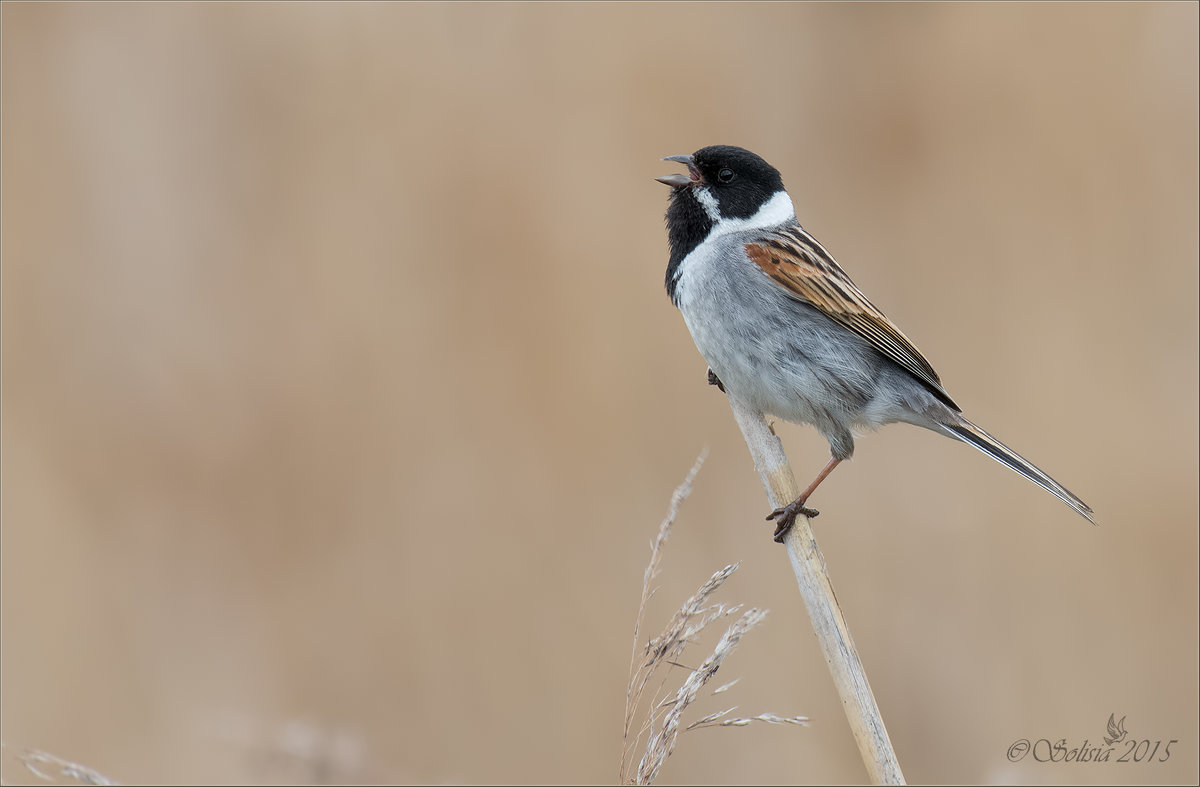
(785, 330)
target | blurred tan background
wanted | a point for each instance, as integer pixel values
(341, 395)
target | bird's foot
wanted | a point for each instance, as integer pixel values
(714, 380)
(786, 516)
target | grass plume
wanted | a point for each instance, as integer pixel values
(56, 770)
(660, 725)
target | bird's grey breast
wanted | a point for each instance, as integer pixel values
(772, 350)
(736, 315)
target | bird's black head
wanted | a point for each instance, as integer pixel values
(724, 184)
(740, 181)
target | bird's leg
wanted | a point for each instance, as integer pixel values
(787, 514)
(714, 380)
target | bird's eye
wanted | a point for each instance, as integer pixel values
(725, 175)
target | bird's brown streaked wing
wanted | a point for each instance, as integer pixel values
(796, 262)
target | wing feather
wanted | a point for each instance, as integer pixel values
(795, 261)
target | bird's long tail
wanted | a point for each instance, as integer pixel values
(972, 435)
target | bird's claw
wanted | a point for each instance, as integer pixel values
(714, 380)
(786, 516)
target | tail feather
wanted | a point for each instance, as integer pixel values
(972, 435)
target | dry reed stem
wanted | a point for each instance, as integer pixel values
(828, 623)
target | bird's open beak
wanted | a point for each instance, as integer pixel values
(679, 181)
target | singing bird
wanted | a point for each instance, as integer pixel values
(785, 330)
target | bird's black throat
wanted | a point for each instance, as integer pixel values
(688, 224)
